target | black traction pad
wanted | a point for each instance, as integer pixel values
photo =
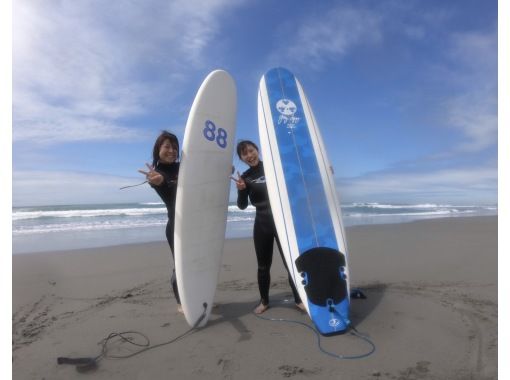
(321, 266)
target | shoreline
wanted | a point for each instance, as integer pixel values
(51, 228)
(431, 310)
(163, 239)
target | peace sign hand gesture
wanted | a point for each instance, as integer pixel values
(239, 181)
(152, 175)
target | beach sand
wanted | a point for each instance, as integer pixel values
(431, 311)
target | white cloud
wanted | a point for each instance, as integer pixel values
(322, 38)
(81, 68)
(476, 50)
(476, 184)
(53, 188)
(476, 116)
(467, 68)
(474, 110)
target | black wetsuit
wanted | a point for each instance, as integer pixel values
(167, 191)
(264, 230)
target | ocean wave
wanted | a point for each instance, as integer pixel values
(375, 205)
(233, 219)
(234, 208)
(133, 211)
(424, 213)
(23, 215)
(48, 219)
(106, 225)
(401, 206)
(77, 227)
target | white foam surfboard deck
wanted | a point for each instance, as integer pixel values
(202, 193)
(303, 200)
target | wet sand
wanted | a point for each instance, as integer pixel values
(431, 311)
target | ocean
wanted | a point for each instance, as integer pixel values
(50, 228)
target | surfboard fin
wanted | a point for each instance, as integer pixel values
(204, 313)
(358, 294)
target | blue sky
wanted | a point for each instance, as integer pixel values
(405, 92)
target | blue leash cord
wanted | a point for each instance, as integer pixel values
(353, 332)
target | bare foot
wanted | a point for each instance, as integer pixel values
(301, 307)
(261, 308)
(179, 309)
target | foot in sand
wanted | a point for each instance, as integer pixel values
(261, 308)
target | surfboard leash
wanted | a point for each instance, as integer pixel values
(353, 331)
(87, 364)
(138, 184)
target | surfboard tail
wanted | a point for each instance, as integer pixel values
(323, 273)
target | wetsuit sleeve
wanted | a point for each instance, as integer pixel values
(166, 190)
(242, 199)
(167, 181)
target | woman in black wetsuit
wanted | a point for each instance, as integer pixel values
(252, 185)
(162, 176)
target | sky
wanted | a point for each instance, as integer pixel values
(405, 92)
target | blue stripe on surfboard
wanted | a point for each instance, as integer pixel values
(307, 197)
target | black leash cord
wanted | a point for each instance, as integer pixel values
(126, 187)
(87, 364)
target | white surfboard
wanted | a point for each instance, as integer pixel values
(202, 194)
(303, 199)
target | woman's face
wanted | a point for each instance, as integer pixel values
(167, 152)
(250, 155)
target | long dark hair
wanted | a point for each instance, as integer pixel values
(242, 145)
(165, 135)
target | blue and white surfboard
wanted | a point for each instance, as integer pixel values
(303, 200)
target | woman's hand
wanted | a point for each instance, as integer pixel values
(239, 181)
(152, 175)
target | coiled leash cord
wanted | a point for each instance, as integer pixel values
(353, 332)
(88, 364)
